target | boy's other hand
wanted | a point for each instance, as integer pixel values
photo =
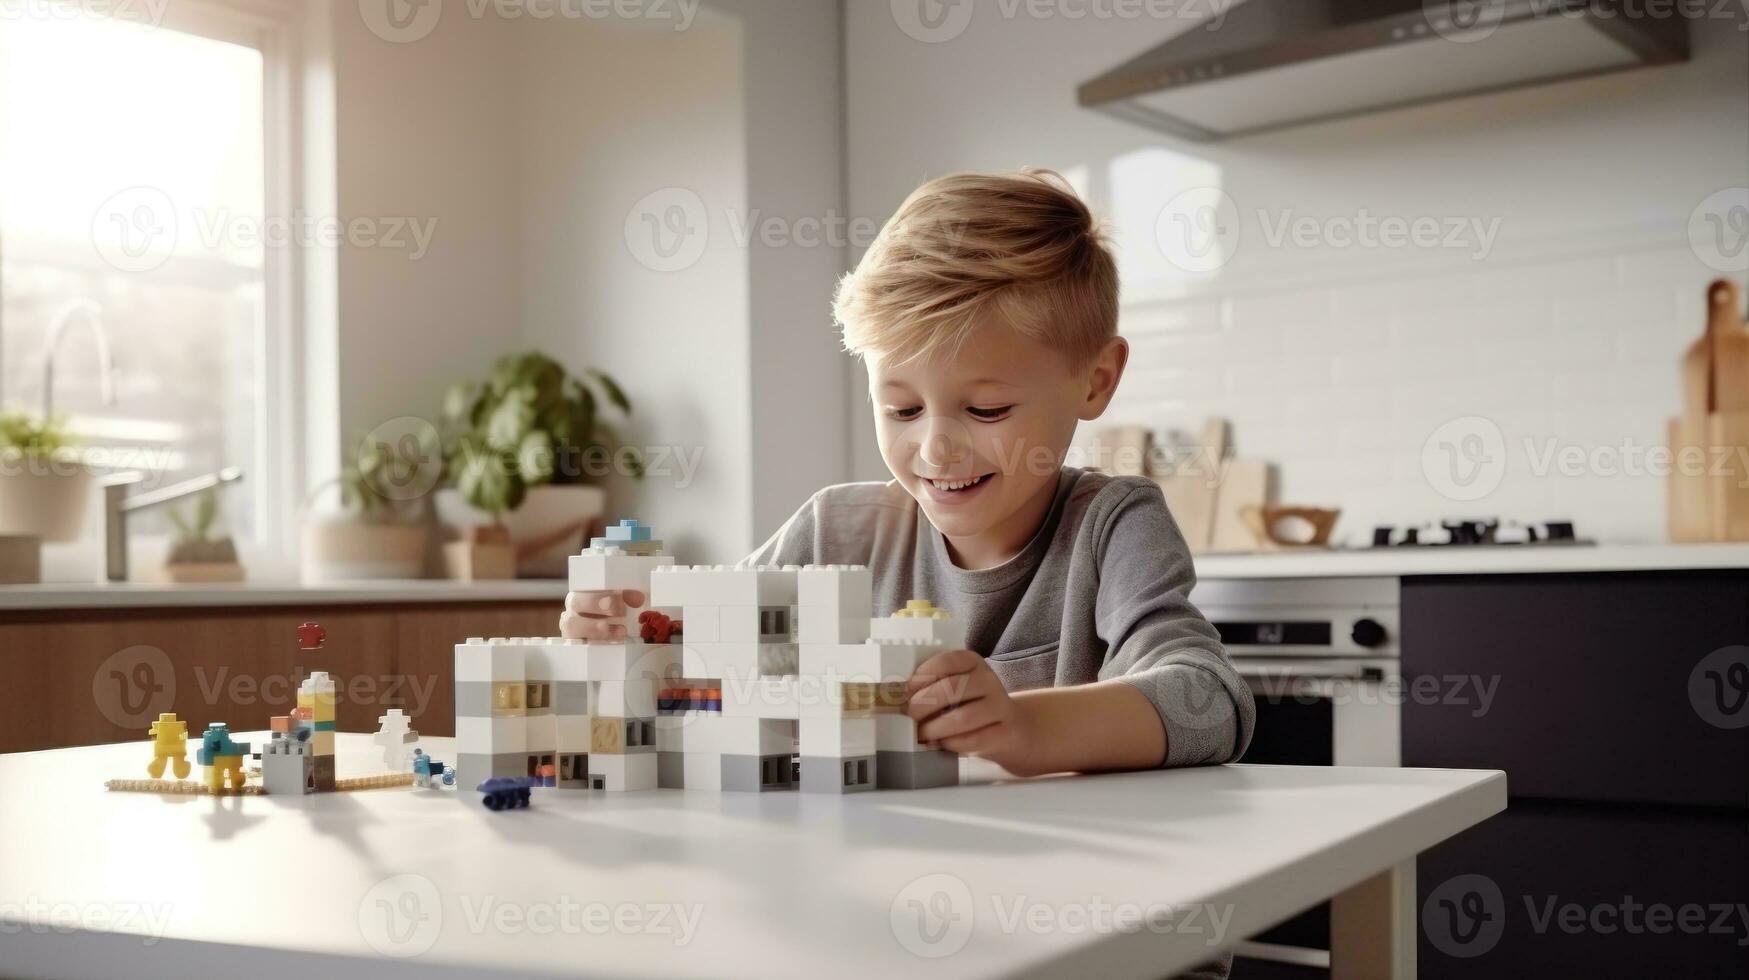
(960, 705)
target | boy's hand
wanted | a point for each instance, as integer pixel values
(960, 705)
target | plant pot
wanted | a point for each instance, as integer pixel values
(43, 500)
(546, 512)
(200, 572)
(342, 548)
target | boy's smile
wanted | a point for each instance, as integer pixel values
(978, 436)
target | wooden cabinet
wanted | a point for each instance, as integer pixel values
(83, 677)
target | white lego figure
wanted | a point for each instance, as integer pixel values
(395, 736)
(703, 677)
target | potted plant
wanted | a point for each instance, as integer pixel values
(520, 450)
(382, 528)
(198, 556)
(44, 485)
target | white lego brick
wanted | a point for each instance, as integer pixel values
(834, 603)
(703, 661)
(491, 736)
(623, 699)
(703, 771)
(624, 773)
(741, 736)
(897, 733)
(872, 661)
(495, 659)
(542, 733)
(719, 585)
(600, 570)
(766, 697)
(554, 658)
(738, 624)
(949, 634)
(633, 659)
(672, 730)
(701, 624)
(571, 733)
(837, 736)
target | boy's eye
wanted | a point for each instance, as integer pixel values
(989, 414)
(904, 414)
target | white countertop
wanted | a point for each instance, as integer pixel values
(919, 884)
(133, 595)
(1460, 560)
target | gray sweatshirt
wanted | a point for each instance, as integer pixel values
(1102, 591)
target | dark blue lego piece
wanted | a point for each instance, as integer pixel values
(506, 792)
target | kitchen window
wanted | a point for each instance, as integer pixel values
(136, 252)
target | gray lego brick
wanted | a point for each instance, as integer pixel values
(286, 775)
(670, 770)
(916, 770)
(830, 774)
(473, 699)
(743, 773)
(571, 697)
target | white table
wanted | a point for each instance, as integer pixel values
(998, 877)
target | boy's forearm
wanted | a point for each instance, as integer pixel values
(1088, 727)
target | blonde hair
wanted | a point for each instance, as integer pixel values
(1020, 247)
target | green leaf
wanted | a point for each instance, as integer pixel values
(460, 401)
(535, 459)
(487, 483)
(615, 393)
(510, 420)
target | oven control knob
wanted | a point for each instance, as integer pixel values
(1367, 633)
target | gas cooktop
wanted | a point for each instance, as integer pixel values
(1477, 533)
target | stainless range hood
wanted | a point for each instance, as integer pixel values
(1271, 64)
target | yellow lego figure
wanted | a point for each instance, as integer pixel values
(169, 745)
(920, 609)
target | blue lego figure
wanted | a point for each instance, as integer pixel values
(506, 792)
(221, 758)
(425, 769)
(623, 533)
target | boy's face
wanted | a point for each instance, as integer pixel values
(978, 438)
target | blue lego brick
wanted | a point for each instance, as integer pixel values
(216, 741)
(324, 726)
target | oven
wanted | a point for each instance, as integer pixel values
(1322, 659)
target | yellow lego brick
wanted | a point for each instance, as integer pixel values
(607, 735)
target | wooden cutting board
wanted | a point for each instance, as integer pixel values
(1715, 369)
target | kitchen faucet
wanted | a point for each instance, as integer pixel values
(117, 505)
(93, 318)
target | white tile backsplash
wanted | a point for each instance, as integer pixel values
(1342, 386)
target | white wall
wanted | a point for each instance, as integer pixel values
(1340, 363)
(532, 142)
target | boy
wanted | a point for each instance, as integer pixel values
(986, 311)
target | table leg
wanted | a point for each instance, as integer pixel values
(1373, 928)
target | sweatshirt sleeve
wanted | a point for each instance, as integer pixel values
(1156, 639)
(792, 544)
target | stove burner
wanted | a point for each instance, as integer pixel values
(1472, 532)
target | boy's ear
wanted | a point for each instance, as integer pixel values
(1103, 376)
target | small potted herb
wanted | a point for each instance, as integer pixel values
(525, 450)
(198, 556)
(382, 529)
(44, 484)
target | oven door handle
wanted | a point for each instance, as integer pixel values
(1276, 671)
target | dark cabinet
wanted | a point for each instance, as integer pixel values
(1590, 683)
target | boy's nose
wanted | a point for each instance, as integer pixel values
(943, 442)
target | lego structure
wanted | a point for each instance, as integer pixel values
(703, 677)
